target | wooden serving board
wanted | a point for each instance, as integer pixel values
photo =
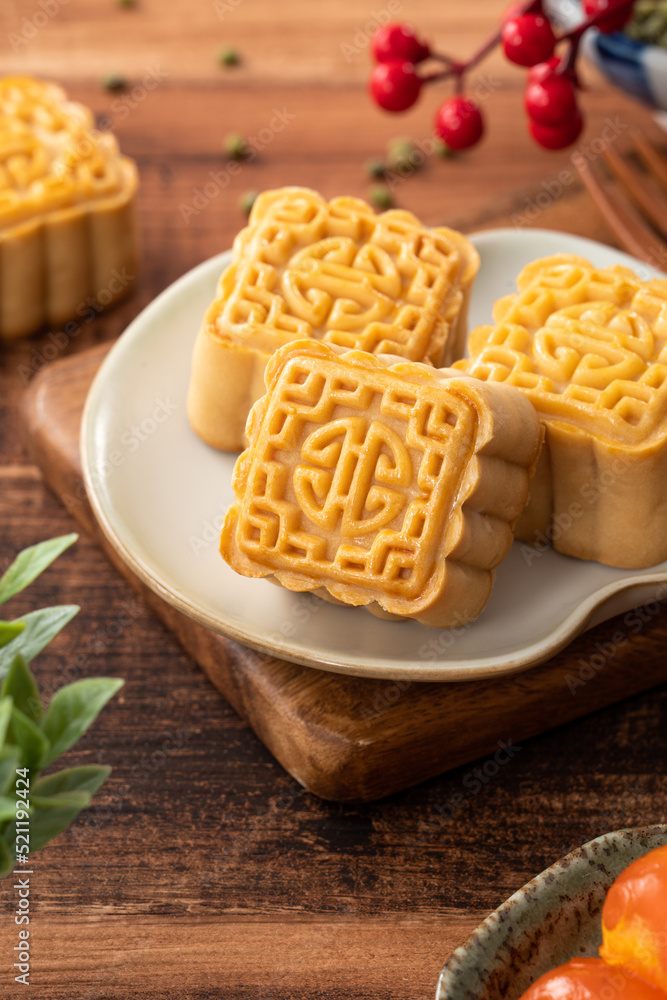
(347, 738)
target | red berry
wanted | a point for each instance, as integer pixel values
(557, 136)
(395, 85)
(528, 39)
(551, 101)
(616, 20)
(541, 70)
(398, 41)
(459, 123)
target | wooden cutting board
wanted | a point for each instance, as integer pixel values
(347, 738)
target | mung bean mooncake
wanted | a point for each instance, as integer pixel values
(67, 210)
(587, 347)
(334, 271)
(380, 483)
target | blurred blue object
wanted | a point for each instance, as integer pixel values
(634, 67)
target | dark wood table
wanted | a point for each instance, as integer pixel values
(203, 870)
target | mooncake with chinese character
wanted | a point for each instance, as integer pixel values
(380, 483)
(67, 210)
(587, 347)
(331, 271)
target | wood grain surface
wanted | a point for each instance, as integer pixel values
(203, 870)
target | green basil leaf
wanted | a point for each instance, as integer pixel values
(9, 761)
(73, 709)
(53, 815)
(62, 800)
(7, 808)
(20, 685)
(9, 631)
(40, 628)
(6, 705)
(74, 779)
(6, 858)
(29, 738)
(30, 563)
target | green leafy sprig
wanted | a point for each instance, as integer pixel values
(32, 736)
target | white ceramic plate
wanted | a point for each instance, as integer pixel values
(160, 495)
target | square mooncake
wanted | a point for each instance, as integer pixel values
(587, 347)
(332, 271)
(67, 209)
(380, 483)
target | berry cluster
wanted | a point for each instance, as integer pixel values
(528, 39)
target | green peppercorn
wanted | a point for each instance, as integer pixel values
(236, 147)
(402, 154)
(648, 22)
(229, 57)
(653, 26)
(642, 9)
(381, 197)
(247, 200)
(114, 82)
(376, 169)
(444, 151)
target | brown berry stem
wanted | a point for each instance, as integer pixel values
(455, 68)
(442, 58)
(458, 69)
(567, 66)
(592, 22)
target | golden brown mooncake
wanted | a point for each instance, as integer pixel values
(587, 347)
(334, 271)
(67, 222)
(380, 483)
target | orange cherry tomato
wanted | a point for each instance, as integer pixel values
(634, 919)
(591, 979)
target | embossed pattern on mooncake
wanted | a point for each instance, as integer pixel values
(372, 498)
(587, 346)
(66, 208)
(339, 273)
(368, 479)
(332, 271)
(49, 157)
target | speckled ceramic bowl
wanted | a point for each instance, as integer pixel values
(554, 917)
